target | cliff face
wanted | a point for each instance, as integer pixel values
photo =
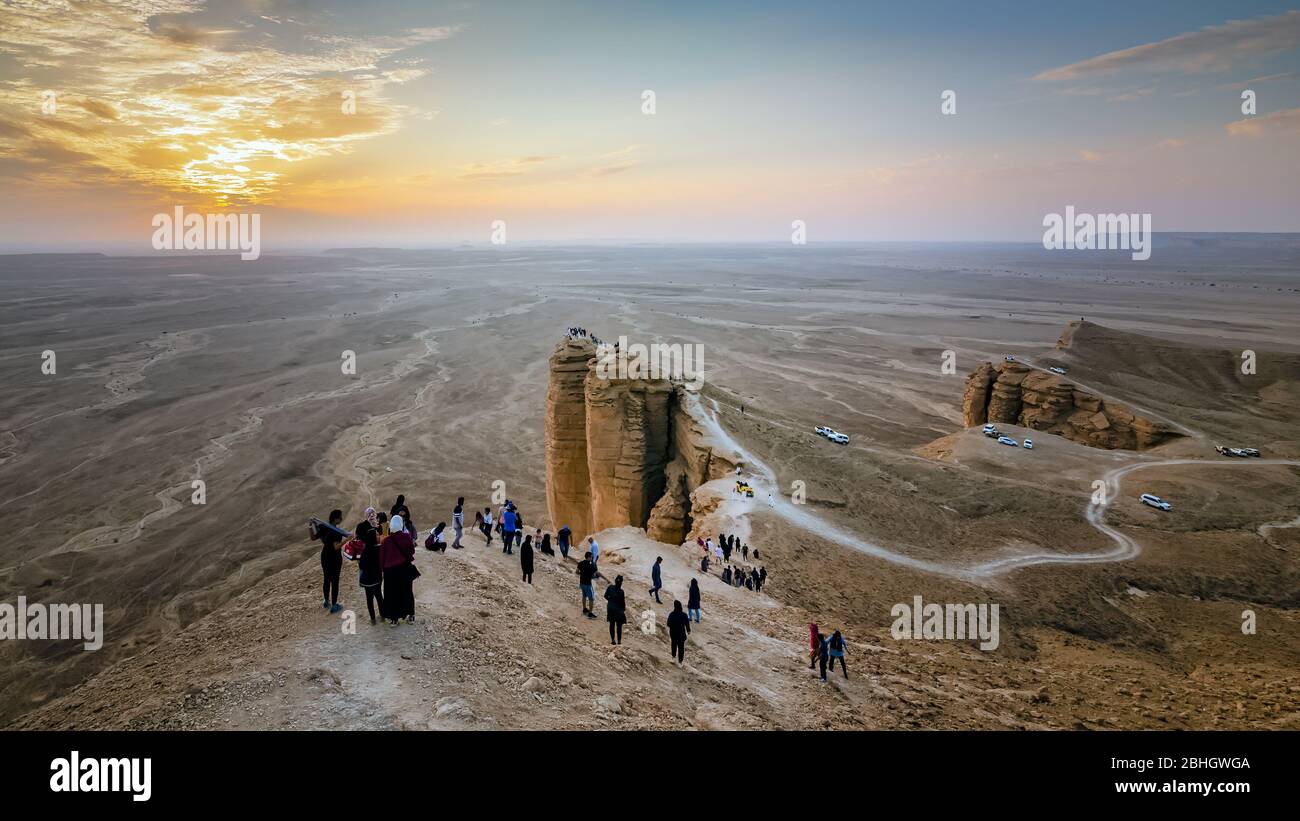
(568, 496)
(627, 448)
(623, 451)
(1012, 393)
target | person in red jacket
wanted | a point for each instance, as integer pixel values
(397, 558)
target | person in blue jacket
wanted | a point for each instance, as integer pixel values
(508, 519)
(656, 576)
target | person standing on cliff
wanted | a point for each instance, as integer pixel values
(371, 574)
(835, 649)
(486, 524)
(616, 610)
(397, 556)
(508, 518)
(563, 538)
(331, 557)
(679, 624)
(458, 521)
(586, 576)
(526, 558)
(656, 576)
(693, 601)
(593, 553)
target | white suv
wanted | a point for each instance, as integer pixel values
(1155, 501)
(838, 438)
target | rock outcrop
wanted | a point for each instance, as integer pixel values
(625, 451)
(1015, 394)
(568, 496)
(627, 448)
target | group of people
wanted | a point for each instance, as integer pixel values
(824, 650)
(383, 545)
(577, 332)
(749, 577)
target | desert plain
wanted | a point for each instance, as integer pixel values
(175, 368)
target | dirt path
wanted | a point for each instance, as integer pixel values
(762, 478)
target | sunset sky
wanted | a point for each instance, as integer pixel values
(531, 112)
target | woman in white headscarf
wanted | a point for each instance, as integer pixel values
(397, 556)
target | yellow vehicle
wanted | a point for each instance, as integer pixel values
(743, 487)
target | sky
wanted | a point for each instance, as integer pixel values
(534, 113)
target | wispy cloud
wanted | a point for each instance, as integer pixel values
(1214, 48)
(1255, 81)
(1286, 121)
(148, 95)
(503, 168)
(1132, 96)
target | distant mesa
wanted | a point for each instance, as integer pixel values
(624, 451)
(1013, 393)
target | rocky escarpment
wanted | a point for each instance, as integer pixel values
(624, 451)
(568, 487)
(1015, 394)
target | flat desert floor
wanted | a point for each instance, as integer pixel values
(172, 369)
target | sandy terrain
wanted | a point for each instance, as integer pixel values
(175, 369)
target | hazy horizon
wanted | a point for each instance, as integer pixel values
(400, 124)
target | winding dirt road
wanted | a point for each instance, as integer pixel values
(763, 479)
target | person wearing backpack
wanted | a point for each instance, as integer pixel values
(836, 648)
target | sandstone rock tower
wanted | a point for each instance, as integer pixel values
(568, 496)
(623, 451)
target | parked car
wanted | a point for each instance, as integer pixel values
(990, 429)
(1007, 440)
(1055, 369)
(1155, 501)
(822, 430)
(839, 438)
(1009, 358)
(1251, 451)
(1237, 452)
(1029, 443)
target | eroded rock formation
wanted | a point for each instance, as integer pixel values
(568, 496)
(1014, 394)
(623, 451)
